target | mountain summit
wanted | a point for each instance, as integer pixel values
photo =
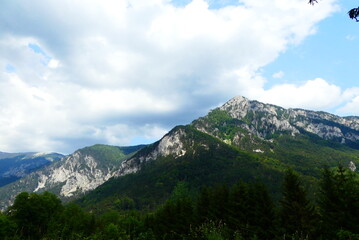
(255, 127)
(241, 140)
(240, 118)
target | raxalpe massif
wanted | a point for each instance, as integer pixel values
(246, 170)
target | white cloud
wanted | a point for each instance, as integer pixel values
(352, 107)
(109, 67)
(312, 94)
(279, 74)
(53, 63)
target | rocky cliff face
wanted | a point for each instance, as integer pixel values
(77, 173)
(72, 176)
(256, 119)
(171, 144)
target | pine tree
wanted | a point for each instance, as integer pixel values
(297, 214)
(330, 205)
(173, 219)
(262, 213)
(203, 206)
(239, 206)
(338, 202)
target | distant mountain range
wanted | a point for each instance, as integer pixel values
(14, 166)
(241, 140)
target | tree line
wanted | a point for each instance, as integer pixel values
(221, 212)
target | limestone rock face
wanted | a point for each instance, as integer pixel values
(72, 176)
(256, 119)
(352, 166)
(77, 173)
(170, 144)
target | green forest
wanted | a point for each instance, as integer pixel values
(220, 212)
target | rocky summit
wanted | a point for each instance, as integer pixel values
(241, 117)
(288, 137)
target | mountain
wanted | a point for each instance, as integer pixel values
(241, 140)
(14, 166)
(241, 119)
(183, 155)
(267, 130)
(73, 175)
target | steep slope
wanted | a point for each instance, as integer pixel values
(241, 140)
(304, 140)
(74, 175)
(14, 166)
(184, 154)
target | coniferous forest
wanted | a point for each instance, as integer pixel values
(240, 211)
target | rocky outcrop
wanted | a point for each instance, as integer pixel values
(171, 144)
(77, 173)
(263, 120)
(73, 175)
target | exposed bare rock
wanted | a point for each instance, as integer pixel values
(72, 176)
(256, 119)
(170, 144)
(352, 166)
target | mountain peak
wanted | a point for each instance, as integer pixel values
(238, 107)
(243, 117)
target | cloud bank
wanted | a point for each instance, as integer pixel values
(75, 73)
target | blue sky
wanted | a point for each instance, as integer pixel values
(77, 73)
(331, 53)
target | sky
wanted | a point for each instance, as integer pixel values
(125, 72)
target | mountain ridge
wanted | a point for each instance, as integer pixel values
(73, 175)
(264, 120)
(14, 166)
(260, 140)
(270, 138)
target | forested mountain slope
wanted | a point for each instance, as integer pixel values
(74, 175)
(241, 140)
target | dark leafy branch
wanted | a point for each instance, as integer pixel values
(353, 13)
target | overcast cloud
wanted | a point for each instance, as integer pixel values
(76, 73)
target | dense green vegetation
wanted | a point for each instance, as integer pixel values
(219, 212)
(209, 160)
(109, 154)
(306, 152)
(206, 162)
